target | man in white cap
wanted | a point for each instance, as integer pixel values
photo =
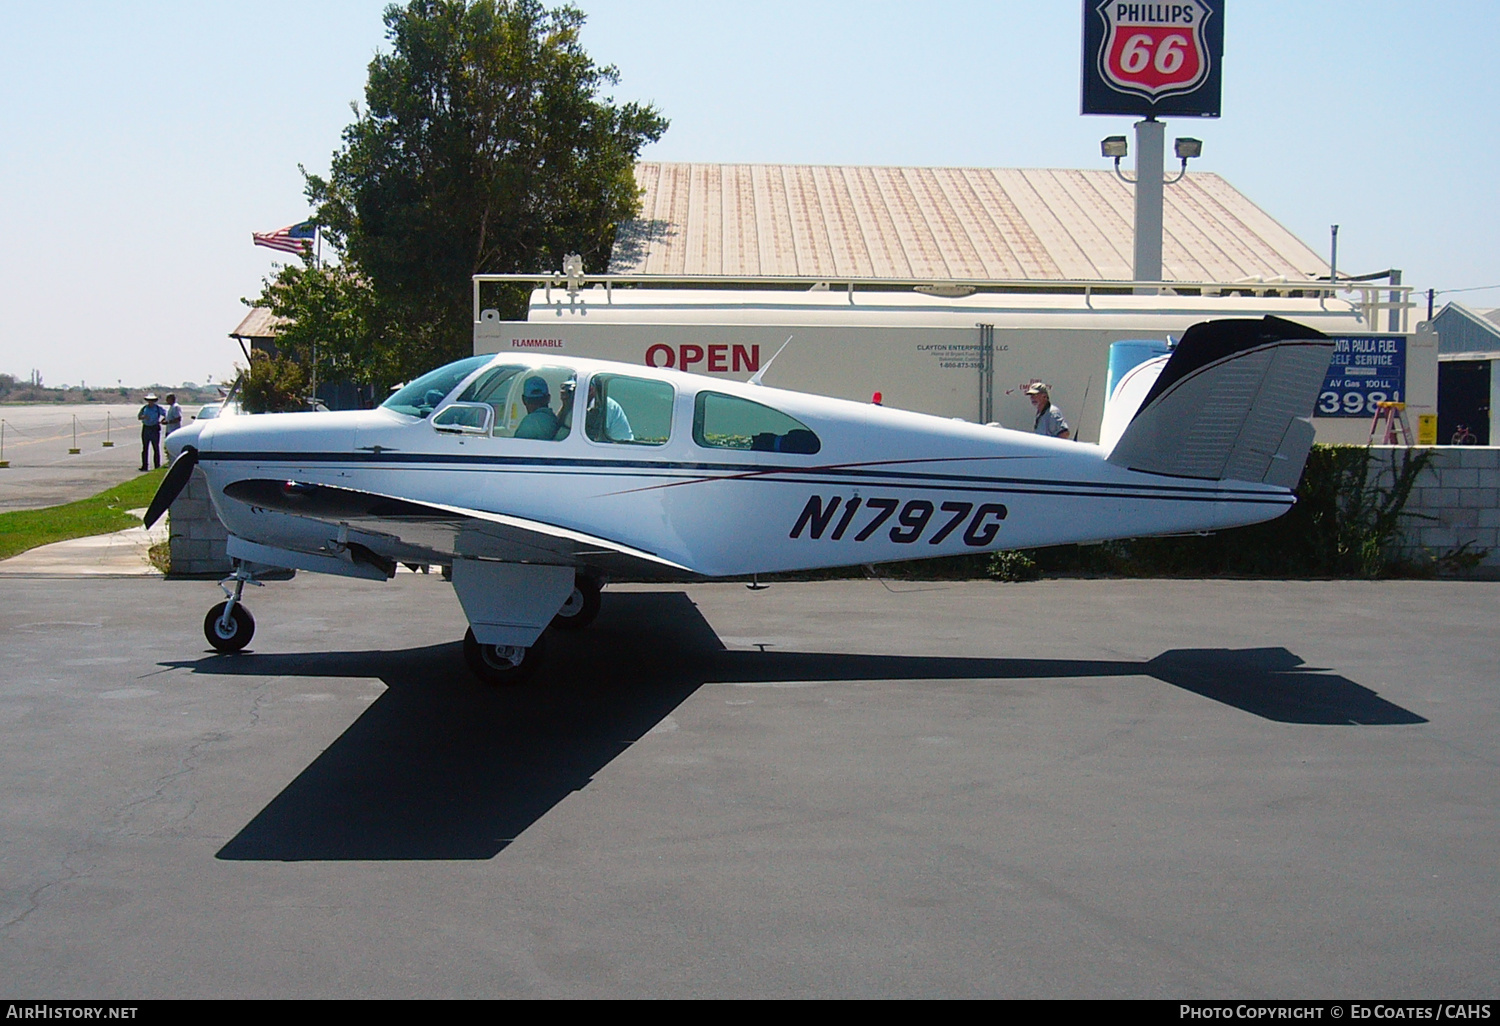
(1049, 419)
(150, 417)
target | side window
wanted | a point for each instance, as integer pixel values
(727, 422)
(464, 418)
(529, 402)
(628, 411)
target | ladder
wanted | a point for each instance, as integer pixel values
(1393, 416)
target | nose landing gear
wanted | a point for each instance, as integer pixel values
(229, 625)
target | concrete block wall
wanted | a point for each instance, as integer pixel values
(198, 540)
(1456, 501)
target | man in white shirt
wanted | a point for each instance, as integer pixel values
(172, 417)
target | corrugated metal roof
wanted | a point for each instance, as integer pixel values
(1464, 332)
(258, 323)
(932, 223)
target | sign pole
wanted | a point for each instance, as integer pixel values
(1150, 165)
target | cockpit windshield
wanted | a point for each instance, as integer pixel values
(423, 395)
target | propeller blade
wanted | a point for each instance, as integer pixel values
(172, 485)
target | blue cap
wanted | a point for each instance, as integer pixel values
(535, 388)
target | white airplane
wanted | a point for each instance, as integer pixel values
(535, 479)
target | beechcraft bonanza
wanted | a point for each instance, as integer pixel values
(534, 480)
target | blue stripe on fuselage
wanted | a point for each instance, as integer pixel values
(855, 475)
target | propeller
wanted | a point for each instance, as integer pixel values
(172, 485)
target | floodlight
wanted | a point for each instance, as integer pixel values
(1187, 148)
(1114, 146)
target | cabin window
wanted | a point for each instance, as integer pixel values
(728, 422)
(533, 403)
(423, 395)
(626, 410)
(464, 418)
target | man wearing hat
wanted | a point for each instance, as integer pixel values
(540, 422)
(1049, 419)
(150, 417)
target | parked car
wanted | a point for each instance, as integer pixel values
(217, 409)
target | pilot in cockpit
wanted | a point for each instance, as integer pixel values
(540, 422)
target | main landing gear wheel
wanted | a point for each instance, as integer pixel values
(501, 664)
(582, 605)
(233, 634)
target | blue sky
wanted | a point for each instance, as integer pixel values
(143, 143)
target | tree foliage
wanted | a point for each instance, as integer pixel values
(334, 320)
(485, 146)
(272, 384)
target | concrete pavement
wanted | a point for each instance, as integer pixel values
(121, 554)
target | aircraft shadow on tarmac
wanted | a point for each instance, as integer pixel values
(442, 768)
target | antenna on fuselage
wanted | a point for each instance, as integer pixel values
(755, 378)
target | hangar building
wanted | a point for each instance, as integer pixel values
(945, 289)
(1468, 385)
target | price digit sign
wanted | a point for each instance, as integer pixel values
(1365, 370)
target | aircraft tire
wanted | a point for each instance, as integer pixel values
(236, 639)
(489, 666)
(582, 605)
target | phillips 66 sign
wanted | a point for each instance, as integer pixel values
(1152, 58)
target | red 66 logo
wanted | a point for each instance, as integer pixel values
(1154, 49)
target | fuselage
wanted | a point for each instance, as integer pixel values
(695, 483)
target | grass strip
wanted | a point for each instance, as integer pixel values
(104, 513)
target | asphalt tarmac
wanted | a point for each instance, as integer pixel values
(1172, 789)
(43, 472)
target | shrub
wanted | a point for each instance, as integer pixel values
(272, 384)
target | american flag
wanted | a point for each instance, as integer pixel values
(294, 238)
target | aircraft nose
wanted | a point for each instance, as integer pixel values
(184, 437)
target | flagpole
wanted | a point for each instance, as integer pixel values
(317, 265)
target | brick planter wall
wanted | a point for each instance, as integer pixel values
(197, 537)
(1456, 501)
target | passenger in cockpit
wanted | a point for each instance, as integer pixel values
(540, 422)
(610, 416)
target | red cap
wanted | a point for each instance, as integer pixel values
(876, 398)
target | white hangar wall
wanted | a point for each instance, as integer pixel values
(957, 356)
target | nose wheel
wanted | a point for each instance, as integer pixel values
(501, 664)
(228, 629)
(229, 625)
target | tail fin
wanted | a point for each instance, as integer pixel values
(1234, 401)
(1122, 402)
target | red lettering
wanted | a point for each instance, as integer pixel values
(659, 349)
(747, 361)
(718, 357)
(689, 355)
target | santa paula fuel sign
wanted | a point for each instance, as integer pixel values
(1152, 58)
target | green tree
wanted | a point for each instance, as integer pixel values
(485, 146)
(272, 384)
(334, 320)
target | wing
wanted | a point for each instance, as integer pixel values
(406, 531)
